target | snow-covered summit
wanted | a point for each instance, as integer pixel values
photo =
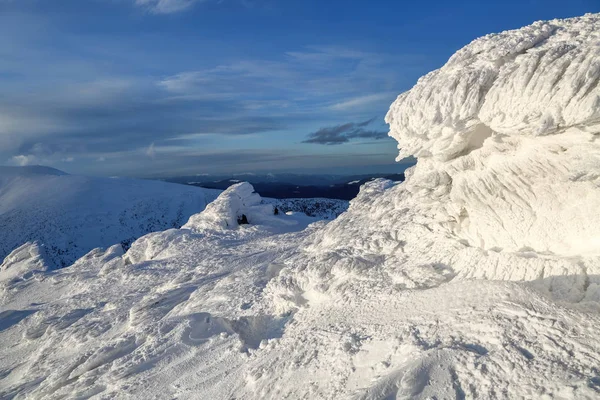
(28, 170)
(478, 277)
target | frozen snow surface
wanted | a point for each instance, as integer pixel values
(478, 277)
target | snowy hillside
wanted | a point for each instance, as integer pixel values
(71, 215)
(478, 277)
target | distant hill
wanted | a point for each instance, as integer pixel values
(70, 215)
(299, 186)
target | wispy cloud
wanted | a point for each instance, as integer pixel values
(166, 6)
(175, 6)
(320, 73)
(23, 160)
(362, 102)
(151, 151)
(344, 133)
(72, 101)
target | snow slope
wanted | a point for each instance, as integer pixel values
(478, 277)
(71, 214)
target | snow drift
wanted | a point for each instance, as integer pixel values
(478, 277)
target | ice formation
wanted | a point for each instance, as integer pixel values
(478, 277)
(223, 213)
(506, 136)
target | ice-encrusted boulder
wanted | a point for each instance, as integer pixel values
(223, 213)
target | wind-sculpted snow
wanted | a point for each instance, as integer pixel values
(237, 201)
(532, 81)
(506, 135)
(478, 277)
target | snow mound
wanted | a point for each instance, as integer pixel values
(223, 213)
(23, 261)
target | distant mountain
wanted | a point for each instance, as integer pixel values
(287, 178)
(29, 170)
(286, 186)
(70, 215)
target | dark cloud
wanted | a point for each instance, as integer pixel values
(344, 133)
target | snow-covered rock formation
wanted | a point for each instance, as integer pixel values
(70, 215)
(506, 136)
(496, 193)
(478, 277)
(225, 212)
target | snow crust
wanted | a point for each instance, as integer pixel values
(478, 277)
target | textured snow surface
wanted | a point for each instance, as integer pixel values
(478, 277)
(71, 215)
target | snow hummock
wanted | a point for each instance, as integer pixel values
(237, 200)
(478, 277)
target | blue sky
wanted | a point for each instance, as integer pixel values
(154, 88)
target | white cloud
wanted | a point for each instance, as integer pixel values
(322, 74)
(165, 6)
(150, 151)
(363, 101)
(23, 160)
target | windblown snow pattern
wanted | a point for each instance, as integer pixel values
(478, 277)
